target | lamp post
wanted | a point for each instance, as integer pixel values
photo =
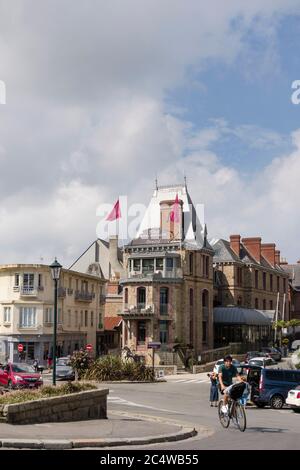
(55, 268)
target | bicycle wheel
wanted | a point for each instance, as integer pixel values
(239, 416)
(223, 417)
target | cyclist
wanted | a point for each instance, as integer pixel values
(225, 374)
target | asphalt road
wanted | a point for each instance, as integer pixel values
(184, 399)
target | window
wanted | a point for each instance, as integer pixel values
(17, 280)
(239, 300)
(99, 320)
(81, 318)
(40, 280)
(271, 304)
(126, 295)
(191, 262)
(141, 297)
(69, 317)
(271, 282)
(136, 265)
(256, 303)
(28, 280)
(169, 264)
(206, 266)
(264, 305)
(59, 316)
(141, 331)
(159, 264)
(256, 279)
(204, 332)
(92, 318)
(163, 301)
(7, 317)
(239, 276)
(148, 265)
(76, 318)
(264, 281)
(70, 283)
(85, 318)
(278, 284)
(49, 315)
(163, 331)
(77, 284)
(191, 297)
(28, 317)
(284, 285)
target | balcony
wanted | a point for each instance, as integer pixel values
(61, 292)
(28, 291)
(102, 299)
(84, 296)
(174, 273)
(138, 312)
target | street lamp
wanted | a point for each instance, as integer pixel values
(55, 273)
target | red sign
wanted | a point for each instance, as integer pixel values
(20, 347)
(89, 347)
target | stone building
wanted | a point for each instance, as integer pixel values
(168, 278)
(27, 312)
(105, 259)
(248, 276)
(293, 270)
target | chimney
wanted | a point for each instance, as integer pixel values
(277, 257)
(268, 252)
(235, 244)
(283, 261)
(298, 262)
(115, 264)
(170, 230)
(253, 245)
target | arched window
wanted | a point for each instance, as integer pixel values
(141, 297)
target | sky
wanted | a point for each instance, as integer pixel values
(102, 97)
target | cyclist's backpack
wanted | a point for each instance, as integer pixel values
(237, 390)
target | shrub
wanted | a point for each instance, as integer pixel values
(114, 368)
(80, 361)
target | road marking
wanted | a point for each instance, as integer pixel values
(122, 401)
(188, 381)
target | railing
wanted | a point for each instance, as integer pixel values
(83, 296)
(24, 290)
(21, 326)
(61, 292)
(164, 274)
(138, 310)
(70, 291)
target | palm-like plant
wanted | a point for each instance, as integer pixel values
(293, 323)
(278, 326)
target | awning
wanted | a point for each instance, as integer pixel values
(110, 323)
(241, 316)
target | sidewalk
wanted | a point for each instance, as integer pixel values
(115, 431)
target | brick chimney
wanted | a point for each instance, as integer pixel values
(268, 252)
(277, 257)
(235, 244)
(253, 245)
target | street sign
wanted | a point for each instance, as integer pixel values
(20, 347)
(89, 347)
(154, 345)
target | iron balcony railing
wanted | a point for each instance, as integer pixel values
(84, 296)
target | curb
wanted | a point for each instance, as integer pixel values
(63, 444)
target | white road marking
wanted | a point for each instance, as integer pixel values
(122, 401)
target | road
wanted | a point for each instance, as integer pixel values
(184, 399)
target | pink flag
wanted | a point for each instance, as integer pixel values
(115, 213)
(174, 215)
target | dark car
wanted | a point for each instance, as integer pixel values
(273, 353)
(271, 386)
(64, 371)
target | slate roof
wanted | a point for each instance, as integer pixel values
(294, 271)
(242, 316)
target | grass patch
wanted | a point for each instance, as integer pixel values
(47, 391)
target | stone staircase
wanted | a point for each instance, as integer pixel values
(170, 359)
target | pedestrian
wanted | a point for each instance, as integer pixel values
(36, 365)
(214, 393)
(49, 361)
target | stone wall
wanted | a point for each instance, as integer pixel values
(91, 404)
(168, 369)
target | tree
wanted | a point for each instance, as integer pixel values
(293, 323)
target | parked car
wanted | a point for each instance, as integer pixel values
(19, 375)
(221, 362)
(293, 399)
(250, 354)
(272, 352)
(271, 386)
(262, 361)
(63, 369)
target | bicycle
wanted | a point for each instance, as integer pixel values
(236, 412)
